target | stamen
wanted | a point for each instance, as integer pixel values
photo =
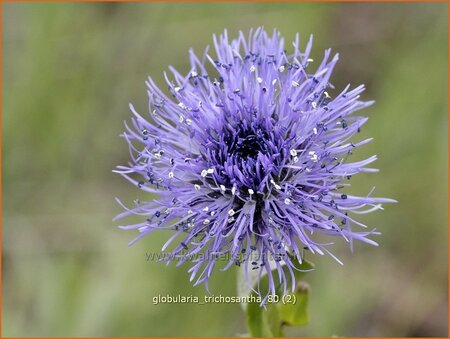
(313, 156)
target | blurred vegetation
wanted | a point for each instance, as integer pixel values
(69, 71)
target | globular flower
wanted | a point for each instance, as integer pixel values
(247, 158)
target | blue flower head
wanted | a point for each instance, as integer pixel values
(247, 159)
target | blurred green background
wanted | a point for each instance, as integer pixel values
(69, 72)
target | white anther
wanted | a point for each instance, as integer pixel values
(278, 187)
(295, 159)
(327, 95)
(315, 130)
(233, 190)
(259, 80)
(313, 156)
(295, 83)
(310, 60)
(231, 213)
(204, 173)
(189, 212)
(183, 106)
(308, 170)
(206, 221)
(181, 119)
(212, 213)
(314, 104)
(177, 89)
(230, 220)
(223, 188)
(287, 201)
(293, 152)
(157, 155)
(210, 170)
(197, 187)
(281, 68)
(194, 74)
(206, 209)
(171, 175)
(274, 81)
(250, 191)
(252, 68)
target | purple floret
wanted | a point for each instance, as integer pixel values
(246, 159)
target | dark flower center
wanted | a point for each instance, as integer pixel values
(248, 146)
(248, 155)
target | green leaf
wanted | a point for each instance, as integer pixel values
(274, 321)
(295, 312)
(257, 321)
(268, 321)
